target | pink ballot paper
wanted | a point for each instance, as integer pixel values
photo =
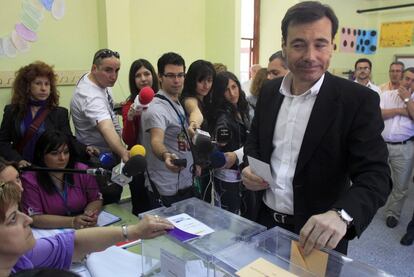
(187, 227)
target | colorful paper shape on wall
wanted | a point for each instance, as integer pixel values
(397, 34)
(58, 9)
(348, 40)
(366, 41)
(47, 4)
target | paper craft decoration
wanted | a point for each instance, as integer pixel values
(396, 34)
(19, 43)
(58, 9)
(366, 41)
(25, 33)
(348, 40)
(47, 4)
(25, 29)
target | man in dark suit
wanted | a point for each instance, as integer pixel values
(318, 132)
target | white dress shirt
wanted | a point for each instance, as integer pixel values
(291, 123)
(371, 86)
(397, 128)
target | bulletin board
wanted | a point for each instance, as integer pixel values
(408, 60)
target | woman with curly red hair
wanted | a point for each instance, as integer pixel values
(34, 108)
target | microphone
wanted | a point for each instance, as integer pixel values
(218, 160)
(145, 96)
(203, 148)
(107, 160)
(90, 171)
(137, 149)
(122, 173)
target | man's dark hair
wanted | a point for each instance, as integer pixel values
(398, 63)
(363, 60)
(410, 69)
(169, 58)
(279, 55)
(103, 54)
(307, 12)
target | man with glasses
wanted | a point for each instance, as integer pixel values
(277, 66)
(363, 69)
(93, 114)
(396, 73)
(164, 126)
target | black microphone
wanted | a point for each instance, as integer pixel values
(90, 171)
(203, 147)
(122, 173)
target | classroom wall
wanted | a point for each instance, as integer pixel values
(206, 29)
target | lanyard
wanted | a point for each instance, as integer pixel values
(64, 195)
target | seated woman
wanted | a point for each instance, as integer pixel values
(57, 199)
(19, 250)
(34, 108)
(231, 112)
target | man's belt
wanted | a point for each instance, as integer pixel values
(399, 142)
(280, 217)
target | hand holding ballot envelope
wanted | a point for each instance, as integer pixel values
(257, 176)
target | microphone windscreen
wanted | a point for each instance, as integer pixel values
(137, 150)
(146, 95)
(134, 166)
(218, 160)
(107, 160)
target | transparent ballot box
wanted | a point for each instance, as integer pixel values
(201, 231)
(275, 253)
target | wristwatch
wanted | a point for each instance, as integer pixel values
(344, 216)
(406, 100)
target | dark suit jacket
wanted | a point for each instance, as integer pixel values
(342, 142)
(10, 134)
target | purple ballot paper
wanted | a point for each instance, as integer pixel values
(187, 227)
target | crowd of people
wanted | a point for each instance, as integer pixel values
(336, 148)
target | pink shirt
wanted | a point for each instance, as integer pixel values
(35, 200)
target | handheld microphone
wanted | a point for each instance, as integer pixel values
(107, 160)
(218, 160)
(122, 173)
(90, 171)
(145, 96)
(203, 147)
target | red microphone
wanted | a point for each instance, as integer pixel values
(145, 96)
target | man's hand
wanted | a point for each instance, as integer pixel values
(23, 163)
(231, 158)
(322, 230)
(92, 151)
(252, 181)
(168, 163)
(404, 93)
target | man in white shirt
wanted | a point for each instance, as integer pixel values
(395, 72)
(397, 108)
(318, 132)
(363, 69)
(93, 115)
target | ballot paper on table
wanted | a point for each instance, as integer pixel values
(261, 169)
(105, 218)
(114, 261)
(187, 227)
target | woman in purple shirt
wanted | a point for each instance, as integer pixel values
(57, 199)
(19, 250)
